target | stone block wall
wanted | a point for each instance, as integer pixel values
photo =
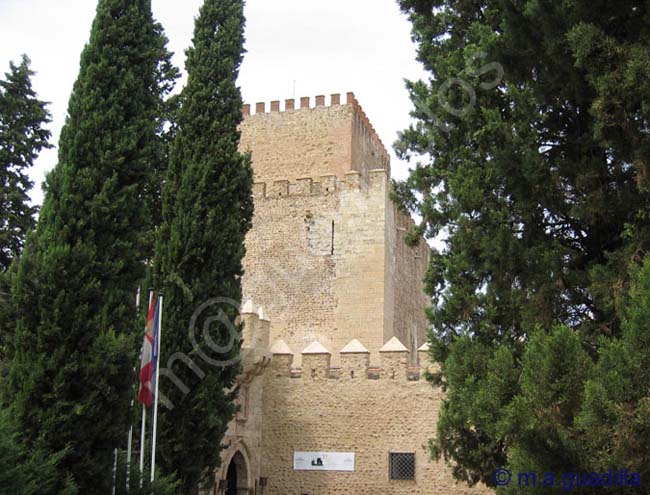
(370, 412)
(315, 259)
(326, 256)
(311, 141)
(406, 267)
(327, 261)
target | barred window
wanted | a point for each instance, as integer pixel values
(401, 466)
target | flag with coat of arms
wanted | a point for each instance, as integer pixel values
(149, 354)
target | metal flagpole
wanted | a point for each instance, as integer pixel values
(129, 447)
(142, 446)
(129, 442)
(114, 470)
(155, 398)
(144, 418)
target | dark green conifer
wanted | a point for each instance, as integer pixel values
(532, 131)
(615, 418)
(75, 343)
(22, 137)
(207, 210)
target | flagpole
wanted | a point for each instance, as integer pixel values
(142, 444)
(155, 404)
(129, 442)
(144, 416)
(114, 470)
(129, 447)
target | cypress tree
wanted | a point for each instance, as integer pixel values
(207, 210)
(75, 342)
(615, 416)
(22, 137)
(531, 136)
(20, 473)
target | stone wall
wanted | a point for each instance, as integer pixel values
(367, 151)
(360, 264)
(310, 142)
(368, 411)
(244, 433)
(289, 268)
(327, 260)
(315, 259)
(326, 256)
(405, 279)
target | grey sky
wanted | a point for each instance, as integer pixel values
(325, 47)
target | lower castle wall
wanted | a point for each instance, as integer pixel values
(370, 417)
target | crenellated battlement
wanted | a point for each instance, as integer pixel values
(395, 363)
(328, 184)
(362, 128)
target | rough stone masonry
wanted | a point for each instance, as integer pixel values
(334, 346)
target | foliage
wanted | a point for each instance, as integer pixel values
(615, 417)
(21, 474)
(71, 358)
(531, 136)
(540, 420)
(207, 210)
(22, 137)
(141, 485)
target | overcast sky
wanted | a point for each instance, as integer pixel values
(319, 47)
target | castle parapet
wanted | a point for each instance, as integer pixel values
(280, 188)
(394, 359)
(352, 179)
(377, 178)
(354, 363)
(328, 184)
(426, 361)
(303, 186)
(282, 358)
(256, 327)
(368, 129)
(305, 103)
(316, 361)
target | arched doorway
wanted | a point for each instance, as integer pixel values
(237, 476)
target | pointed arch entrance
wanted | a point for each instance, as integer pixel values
(237, 475)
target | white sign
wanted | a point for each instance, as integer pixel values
(323, 461)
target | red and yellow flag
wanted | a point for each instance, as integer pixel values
(145, 394)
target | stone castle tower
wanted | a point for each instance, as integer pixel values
(332, 396)
(325, 257)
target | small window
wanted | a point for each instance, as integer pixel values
(402, 466)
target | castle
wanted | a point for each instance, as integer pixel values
(332, 395)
